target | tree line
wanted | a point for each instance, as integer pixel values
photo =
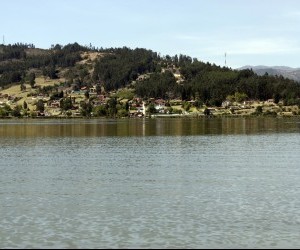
(212, 85)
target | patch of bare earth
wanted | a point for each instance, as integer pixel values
(89, 57)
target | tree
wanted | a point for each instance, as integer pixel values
(151, 109)
(86, 109)
(66, 103)
(277, 98)
(17, 111)
(5, 111)
(127, 106)
(40, 106)
(98, 89)
(186, 106)
(25, 105)
(198, 103)
(100, 111)
(51, 72)
(87, 94)
(83, 73)
(112, 107)
(259, 110)
(31, 79)
(240, 97)
(207, 112)
(22, 87)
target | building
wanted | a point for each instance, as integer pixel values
(93, 91)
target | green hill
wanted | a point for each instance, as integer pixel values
(145, 71)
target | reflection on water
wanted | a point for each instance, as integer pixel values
(145, 127)
(227, 183)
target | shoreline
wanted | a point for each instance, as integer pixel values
(158, 116)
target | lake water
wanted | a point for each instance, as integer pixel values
(150, 183)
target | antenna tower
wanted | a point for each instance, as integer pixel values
(225, 59)
(3, 40)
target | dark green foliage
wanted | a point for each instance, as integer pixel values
(10, 76)
(214, 84)
(270, 113)
(100, 111)
(31, 79)
(25, 105)
(122, 66)
(292, 102)
(15, 51)
(66, 103)
(5, 111)
(258, 110)
(206, 112)
(57, 95)
(151, 109)
(40, 106)
(186, 106)
(86, 109)
(87, 94)
(198, 103)
(16, 112)
(277, 98)
(112, 107)
(50, 72)
(157, 86)
(22, 87)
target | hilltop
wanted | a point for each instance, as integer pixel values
(77, 80)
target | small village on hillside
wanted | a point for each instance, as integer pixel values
(94, 102)
(121, 82)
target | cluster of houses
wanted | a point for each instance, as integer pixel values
(137, 107)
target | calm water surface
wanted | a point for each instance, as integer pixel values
(165, 183)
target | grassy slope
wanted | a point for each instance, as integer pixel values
(16, 91)
(87, 58)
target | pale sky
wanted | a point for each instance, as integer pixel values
(253, 32)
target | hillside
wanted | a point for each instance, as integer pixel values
(96, 75)
(287, 72)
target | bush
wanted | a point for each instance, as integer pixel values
(259, 110)
(125, 94)
(100, 111)
(270, 113)
(177, 111)
(3, 113)
(16, 112)
(33, 114)
(186, 106)
(198, 104)
(216, 102)
(206, 112)
(122, 113)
